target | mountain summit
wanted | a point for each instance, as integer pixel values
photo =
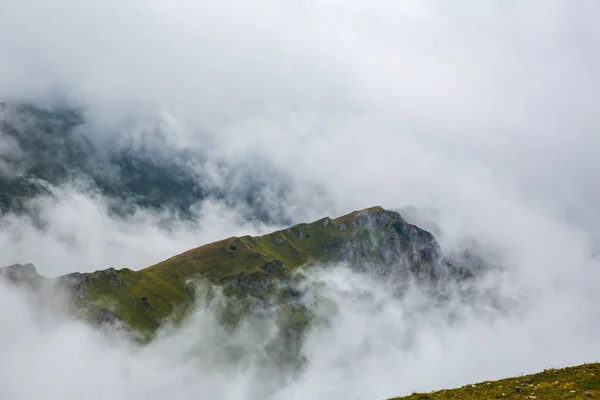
(372, 240)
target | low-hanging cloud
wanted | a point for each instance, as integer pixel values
(370, 343)
(485, 114)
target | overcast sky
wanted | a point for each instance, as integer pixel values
(486, 113)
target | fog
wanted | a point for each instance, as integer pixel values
(481, 117)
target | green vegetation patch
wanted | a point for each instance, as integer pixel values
(581, 382)
(240, 265)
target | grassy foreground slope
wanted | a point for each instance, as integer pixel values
(580, 382)
(249, 265)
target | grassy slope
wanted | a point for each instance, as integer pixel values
(581, 382)
(144, 298)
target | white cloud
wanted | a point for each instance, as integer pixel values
(485, 113)
(78, 234)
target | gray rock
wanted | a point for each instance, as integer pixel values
(112, 276)
(105, 316)
(298, 230)
(75, 285)
(19, 273)
(273, 267)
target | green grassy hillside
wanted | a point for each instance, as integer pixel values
(581, 382)
(250, 265)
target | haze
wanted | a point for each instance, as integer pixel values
(483, 117)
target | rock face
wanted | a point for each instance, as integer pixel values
(19, 273)
(372, 240)
(395, 246)
(75, 284)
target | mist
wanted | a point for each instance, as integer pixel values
(479, 121)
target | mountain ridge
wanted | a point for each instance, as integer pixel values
(45, 146)
(371, 240)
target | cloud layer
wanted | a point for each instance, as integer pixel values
(484, 114)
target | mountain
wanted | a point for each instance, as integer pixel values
(257, 272)
(133, 163)
(52, 146)
(257, 269)
(580, 382)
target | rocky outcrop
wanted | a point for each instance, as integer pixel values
(20, 273)
(384, 243)
(75, 285)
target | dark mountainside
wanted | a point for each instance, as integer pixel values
(259, 269)
(43, 147)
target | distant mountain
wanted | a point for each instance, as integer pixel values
(258, 269)
(42, 147)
